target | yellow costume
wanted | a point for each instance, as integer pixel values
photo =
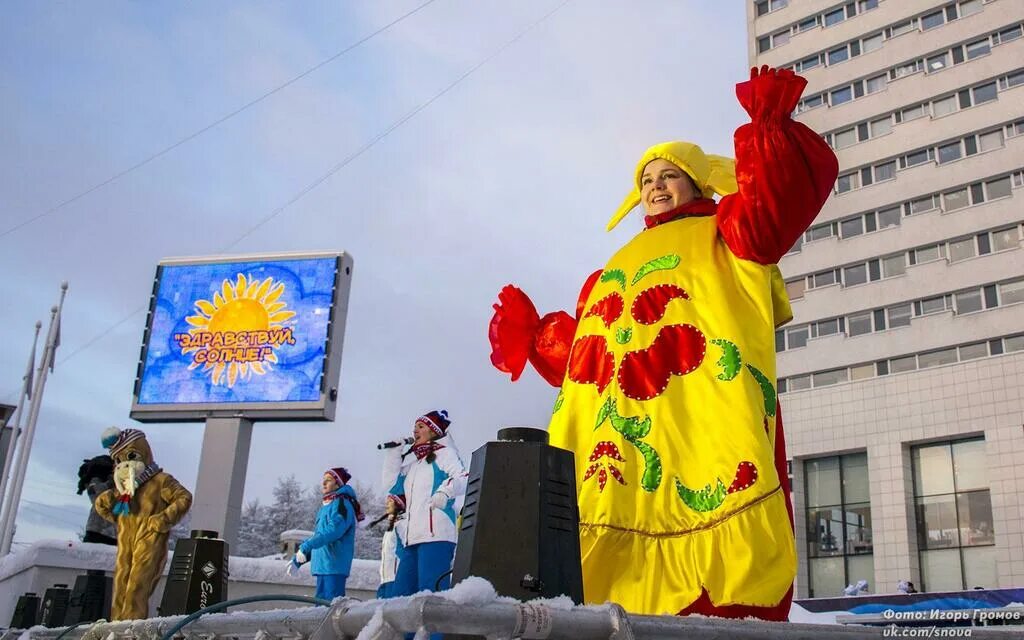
(145, 504)
(668, 396)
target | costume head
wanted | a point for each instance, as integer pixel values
(98, 468)
(710, 174)
(436, 421)
(133, 461)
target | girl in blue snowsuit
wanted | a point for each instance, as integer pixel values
(332, 545)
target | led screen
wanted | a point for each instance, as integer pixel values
(252, 331)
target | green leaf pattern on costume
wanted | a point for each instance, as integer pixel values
(670, 261)
(558, 402)
(767, 389)
(731, 361)
(622, 336)
(702, 500)
(633, 429)
(616, 275)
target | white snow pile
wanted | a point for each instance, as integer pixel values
(58, 553)
(799, 614)
(86, 555)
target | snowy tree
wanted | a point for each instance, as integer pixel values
(368, 539)
(255, 537)
(295, 507)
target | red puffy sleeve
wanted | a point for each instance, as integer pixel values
(518, 334)
(785, 171)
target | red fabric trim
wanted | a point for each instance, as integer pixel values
(785, 171)
(591, 362)
(699, 207)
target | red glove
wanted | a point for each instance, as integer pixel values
(517, 333)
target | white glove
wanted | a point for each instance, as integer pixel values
(300, 558)
(438, 500)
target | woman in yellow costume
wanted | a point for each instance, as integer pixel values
(667, 371)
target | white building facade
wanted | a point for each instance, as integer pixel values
(901, 375)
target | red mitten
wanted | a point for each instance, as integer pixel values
(551, 346)
(512, 330)
(770, 94)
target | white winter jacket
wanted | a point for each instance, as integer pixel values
(416, 481)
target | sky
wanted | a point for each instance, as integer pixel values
(509, 176)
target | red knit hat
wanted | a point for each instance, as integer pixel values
(340, 475)
(436, 421)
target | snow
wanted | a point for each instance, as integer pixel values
(85, 555)
(295, 534)
(373, 627)
(472, 590)
(61, 553)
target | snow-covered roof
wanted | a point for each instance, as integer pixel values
(85, 555)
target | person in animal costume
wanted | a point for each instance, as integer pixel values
(667, 371)
(145, 503)
(95, 476)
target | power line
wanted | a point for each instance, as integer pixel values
(383, 134)
(212, 125)
(341, 165)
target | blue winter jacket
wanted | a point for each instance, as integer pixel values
(334, 538)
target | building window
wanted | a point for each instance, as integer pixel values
(834, 17)
(954, 516)
(899, 315)
(962, 249)
(844, 139)
(954, 200)
(937, 63)
(979, 48)
(998, 188)
(936, 358)
(1011, 292)
(932, 20)
(968, 301)
(974, 351)
(950, 152)
(839, 55)
(881, 127)
(943, 107)
(796, 337)
(839, 540)
(846, 183)
(839, 96)
(902, 27)
(871, 43)
(889, 218)
(859, 323)
(894, 265)
(795, 288)
(969, 8)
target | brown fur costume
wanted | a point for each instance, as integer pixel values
(150, 502)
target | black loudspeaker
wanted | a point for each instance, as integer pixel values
(198, 576)
(520, 521)
(26, 612)
(55, 606)
(90, 599)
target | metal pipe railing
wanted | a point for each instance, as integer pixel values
(495, 619)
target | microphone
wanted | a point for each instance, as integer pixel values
(395, 443)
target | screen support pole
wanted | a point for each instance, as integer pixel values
(217, 505)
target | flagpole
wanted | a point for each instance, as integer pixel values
(26, 391)
(45, 365)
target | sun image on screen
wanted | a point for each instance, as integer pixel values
(239, 332)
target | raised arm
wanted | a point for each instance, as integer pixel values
(784, 170)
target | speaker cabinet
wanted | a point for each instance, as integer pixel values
(198, 576)
(520, 520)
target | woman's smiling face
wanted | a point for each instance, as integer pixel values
(664, 187)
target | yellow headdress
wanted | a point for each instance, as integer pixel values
(712, 174)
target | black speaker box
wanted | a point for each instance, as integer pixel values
(198, 576)
(90, 599)
(520, 521)
(55, 606)
(26, 612)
